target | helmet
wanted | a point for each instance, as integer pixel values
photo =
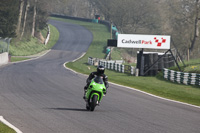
(100, 69)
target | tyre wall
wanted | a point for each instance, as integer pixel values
(181, 77)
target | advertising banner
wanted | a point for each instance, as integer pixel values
(143, 41)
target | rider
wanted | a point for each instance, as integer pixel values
(100, 72)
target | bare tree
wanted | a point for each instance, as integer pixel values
(196, 26)
(25, 17)
(34, 18)
(20, 17)
(143, 17)
(185, 23)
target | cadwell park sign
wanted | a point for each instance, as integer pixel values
(143, 41)
(152, 60)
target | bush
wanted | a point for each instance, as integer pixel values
(192, 69)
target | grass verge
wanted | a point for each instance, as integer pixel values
(33, 46)
(192, 66)
(5, 129)
(16, 59)
(154, 85)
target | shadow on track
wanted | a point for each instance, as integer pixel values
(69, 109)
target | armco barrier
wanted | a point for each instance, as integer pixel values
(113, 65)
(181, 77)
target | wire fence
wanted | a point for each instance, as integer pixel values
(4, 44)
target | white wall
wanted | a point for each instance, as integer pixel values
(4, 58)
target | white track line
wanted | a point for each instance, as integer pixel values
(134, 88)
(9, 125)
(79, 57)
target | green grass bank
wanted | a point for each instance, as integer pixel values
(25, 48)
(5, 129)
(154, 85)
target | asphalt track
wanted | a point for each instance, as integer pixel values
(41, 96)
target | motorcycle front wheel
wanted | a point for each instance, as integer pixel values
(93, 103)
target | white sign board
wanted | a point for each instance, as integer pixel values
(143, 41)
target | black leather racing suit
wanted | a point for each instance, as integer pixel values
(92, 75)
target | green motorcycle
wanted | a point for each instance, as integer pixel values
(95, 92)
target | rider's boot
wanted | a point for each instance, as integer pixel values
(84, 97)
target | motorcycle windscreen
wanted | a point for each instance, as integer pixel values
(98, 80)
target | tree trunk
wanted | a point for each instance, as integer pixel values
(34, 19)
(20, 17)
(196, 27)
(25, 16)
